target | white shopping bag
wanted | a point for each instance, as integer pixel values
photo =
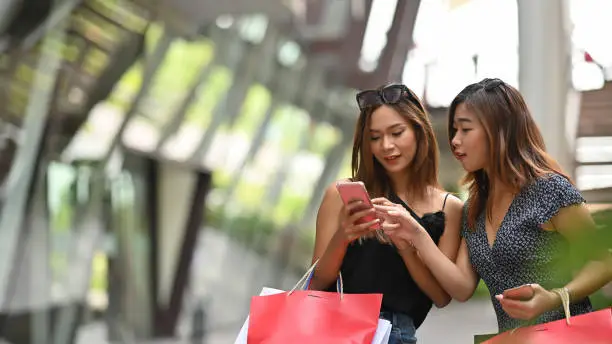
(383, 331)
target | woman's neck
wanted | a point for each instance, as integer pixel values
(402, 187)
(499, 189)
(399, 182)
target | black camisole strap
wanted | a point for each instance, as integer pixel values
(444, 204)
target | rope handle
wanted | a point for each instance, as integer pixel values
(565, 300)
(307, 278)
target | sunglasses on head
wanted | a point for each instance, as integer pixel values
(391, 94)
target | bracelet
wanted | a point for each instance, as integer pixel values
(565, 301)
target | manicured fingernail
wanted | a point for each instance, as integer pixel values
(499, 297)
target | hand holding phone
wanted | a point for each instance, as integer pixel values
(356, 192)
(522, 293)
(357, 201)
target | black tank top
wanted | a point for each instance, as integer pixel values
(375, 267)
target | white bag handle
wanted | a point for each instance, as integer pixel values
(305, 281)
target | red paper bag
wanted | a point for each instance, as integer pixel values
(590, 328)
(306, 317)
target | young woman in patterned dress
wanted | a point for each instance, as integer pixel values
(522, 214)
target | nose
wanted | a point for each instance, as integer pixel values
(387, 143)
(455, 142)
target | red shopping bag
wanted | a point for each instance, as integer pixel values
(306, 317)
(591, 328)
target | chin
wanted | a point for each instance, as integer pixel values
(470, 169)
(396, 168)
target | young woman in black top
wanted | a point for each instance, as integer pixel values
(395, 154)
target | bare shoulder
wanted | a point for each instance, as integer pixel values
(453, 203)
(332, 197)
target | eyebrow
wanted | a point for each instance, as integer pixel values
(462, 120)
(390, 127)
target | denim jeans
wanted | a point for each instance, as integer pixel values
(402, 327)
(402, 330)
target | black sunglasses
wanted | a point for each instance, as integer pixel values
(391, 94)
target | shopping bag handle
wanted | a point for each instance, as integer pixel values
(565, 300)
(307, 278)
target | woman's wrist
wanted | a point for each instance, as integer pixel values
(408, 250)
(420, 238)
(339, 239)
(558, 296)
(555, 300)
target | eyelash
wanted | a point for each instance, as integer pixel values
(396, 134)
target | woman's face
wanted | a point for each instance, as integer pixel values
(470, 145)
(392, 140)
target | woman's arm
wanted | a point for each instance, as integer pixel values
(448, 245)
(574, 223)
(424, 279)
(458, 279)
(335, 230)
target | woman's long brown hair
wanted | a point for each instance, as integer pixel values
(517, 153)
(423, 170)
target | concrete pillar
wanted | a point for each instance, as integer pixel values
(544, 72)
(39, 258)
(21, 175)
(175, 192)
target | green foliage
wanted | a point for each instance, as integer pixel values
(289, 206)
(99, 272)
(482, 292)
(602, 240)
(209, 95)
(324, 137)
(345, 171)
(249, 195)
(174, 77)
(252, 228)
(286, 128)
(221, 179)
(256, 103)
(123, 93)
(177, 75)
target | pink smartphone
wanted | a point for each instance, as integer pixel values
(522, 293)
(351, 191)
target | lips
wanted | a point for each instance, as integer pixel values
(460, 156)
(391, 157)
